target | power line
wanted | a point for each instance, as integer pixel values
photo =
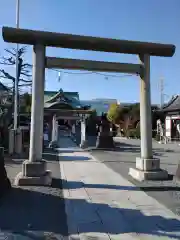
(116, 76)
(91, 72)
(70, 72)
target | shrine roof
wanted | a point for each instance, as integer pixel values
(50, 94)
(172, 105)
(61, 99)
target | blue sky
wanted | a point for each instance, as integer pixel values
(153, 20)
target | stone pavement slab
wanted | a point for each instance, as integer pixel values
(66, 142)
(166, 192)
(101, 204)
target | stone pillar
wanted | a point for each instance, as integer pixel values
(147, 167)
(84, 142)
(15, 141)
(37, 108)
(34, 170)
(54, 129)
(54, 138)
(11, 141)
(18, 142)
(145, 109)
(50, 127)
(73, 132)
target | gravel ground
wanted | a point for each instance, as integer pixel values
(34, 212)
(166, 192)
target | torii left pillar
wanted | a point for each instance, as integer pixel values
(34, 170)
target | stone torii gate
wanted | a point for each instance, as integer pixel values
(34, 170)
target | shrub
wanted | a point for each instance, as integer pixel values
(133, 133)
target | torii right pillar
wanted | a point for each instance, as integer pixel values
(147, 167)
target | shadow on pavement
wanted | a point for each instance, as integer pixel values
(27, 212)
(76, 185)
(60, 150)
(127, 147)
(51, 156)
(136, 149)
(133, 162)
(73, 158)
(16, 158)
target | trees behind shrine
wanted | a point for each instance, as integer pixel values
(127, 118)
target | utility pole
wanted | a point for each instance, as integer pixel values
(17, 72)
(161, 92)
(14, 146)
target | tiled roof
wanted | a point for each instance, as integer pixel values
(63, 99)
(173, 104)
(50, 94)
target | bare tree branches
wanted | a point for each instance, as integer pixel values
(23, 68)
(6, 75)
(25, 85)
(23, 80)
(7, 61)
(25, 74)
(13, 51)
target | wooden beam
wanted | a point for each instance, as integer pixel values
(51, 39)
(77, 64)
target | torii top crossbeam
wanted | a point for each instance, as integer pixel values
(32, 37)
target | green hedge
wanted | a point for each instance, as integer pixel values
(134, 133)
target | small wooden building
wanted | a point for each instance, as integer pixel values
(172, 118)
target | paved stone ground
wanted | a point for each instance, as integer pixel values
(101, 204)
(36, 213)
(166, 192)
